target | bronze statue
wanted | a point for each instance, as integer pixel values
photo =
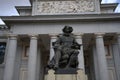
(66, 50)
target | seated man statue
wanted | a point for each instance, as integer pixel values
(66, 50)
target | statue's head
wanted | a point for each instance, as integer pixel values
(67, 29)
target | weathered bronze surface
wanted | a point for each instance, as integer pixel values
(66, 51)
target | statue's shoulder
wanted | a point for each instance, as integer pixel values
(59, 35)
(72, 35)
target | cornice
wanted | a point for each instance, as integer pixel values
(66, 17)
(110, 5)
(18, 8)
(61, 17)
(23, 7)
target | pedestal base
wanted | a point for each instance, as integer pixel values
(52, 76)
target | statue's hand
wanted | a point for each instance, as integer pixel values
(76, 46)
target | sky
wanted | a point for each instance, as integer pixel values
(7, 7)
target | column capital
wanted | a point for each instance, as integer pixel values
(53, 35)
(12, 36)
(99, 35)
(78, 35)
(118, 34)
(33, 36)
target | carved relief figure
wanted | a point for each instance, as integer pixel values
(75, 6)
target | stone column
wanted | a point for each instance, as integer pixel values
(96, 67)
(102, 62)
(10, 58)
(118, 39)
(53, 39)
(81, 55)
(116, 56)
(32, 58)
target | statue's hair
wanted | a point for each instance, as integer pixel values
(67, 27)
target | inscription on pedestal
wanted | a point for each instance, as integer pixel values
(77, 6)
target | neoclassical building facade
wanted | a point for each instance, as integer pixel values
(26, 40)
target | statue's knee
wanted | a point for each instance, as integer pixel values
(76, 52)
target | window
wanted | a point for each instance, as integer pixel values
(108, 50)
(2, 51)
(25, 52)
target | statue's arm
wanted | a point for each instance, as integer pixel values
(76, 44)
(57, 43)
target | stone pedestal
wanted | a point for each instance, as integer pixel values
(50, 75)
(65, 76)
(80, 75)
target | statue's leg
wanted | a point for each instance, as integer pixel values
(57, 58)
(73, 57)
(71, 51)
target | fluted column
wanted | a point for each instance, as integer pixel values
(53, 38)
(32, 58)
(10, 58)
(118, 39)
(96, 67)
(102, 62)
(81, 55)
(116, 56)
